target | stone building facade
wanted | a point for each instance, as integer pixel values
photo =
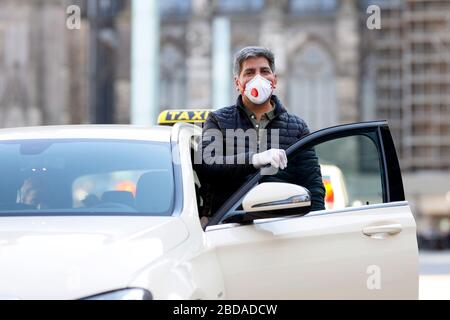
(316, 44)
(331, 68)
(44, 66)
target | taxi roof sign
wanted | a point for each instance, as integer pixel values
(168, 117)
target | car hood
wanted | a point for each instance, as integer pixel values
(74, 257)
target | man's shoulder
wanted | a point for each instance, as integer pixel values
(224, 113)
(293, 119)
(221, 118)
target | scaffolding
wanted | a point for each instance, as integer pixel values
(412, 63)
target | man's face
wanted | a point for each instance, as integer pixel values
(250, 68)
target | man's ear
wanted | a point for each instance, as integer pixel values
(236, 83)
(275, 81)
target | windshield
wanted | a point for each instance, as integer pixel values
(66, 177)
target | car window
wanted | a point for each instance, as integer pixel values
(86, 177)
(351, 172)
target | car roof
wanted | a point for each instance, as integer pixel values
(122, 132)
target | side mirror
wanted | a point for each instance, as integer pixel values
(271, 196)
(271, 200)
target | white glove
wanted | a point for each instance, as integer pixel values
(275, 157)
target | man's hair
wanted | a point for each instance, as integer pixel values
(252, 52)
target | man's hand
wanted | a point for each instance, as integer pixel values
(275, 157)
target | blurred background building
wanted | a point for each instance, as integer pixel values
(332, 69)
(406, 74)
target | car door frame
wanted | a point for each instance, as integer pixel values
(231, 240)
(392, 183)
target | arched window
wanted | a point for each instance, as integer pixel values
(312, 90)
(173, 78)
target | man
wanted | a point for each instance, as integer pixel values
(256, 110)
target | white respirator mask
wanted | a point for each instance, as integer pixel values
(258, 90)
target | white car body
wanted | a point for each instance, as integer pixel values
(316, 256)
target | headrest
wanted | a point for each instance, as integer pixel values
(154, 192)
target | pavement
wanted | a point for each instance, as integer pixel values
(434, 280)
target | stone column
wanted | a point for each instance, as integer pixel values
(145, 62)
(347, 53)
(50, 59)
(78, 62)
(35, 63)
(272, 36)
(198, 62)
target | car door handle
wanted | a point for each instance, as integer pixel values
(387, 229)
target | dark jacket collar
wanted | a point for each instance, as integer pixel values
(279, 108)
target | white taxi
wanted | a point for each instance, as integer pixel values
(111, 212)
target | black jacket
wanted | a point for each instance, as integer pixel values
(225, 172)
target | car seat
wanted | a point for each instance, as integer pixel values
(155, 192)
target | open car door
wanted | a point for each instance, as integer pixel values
(362, 246)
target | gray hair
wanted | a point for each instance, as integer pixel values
(252, 52)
